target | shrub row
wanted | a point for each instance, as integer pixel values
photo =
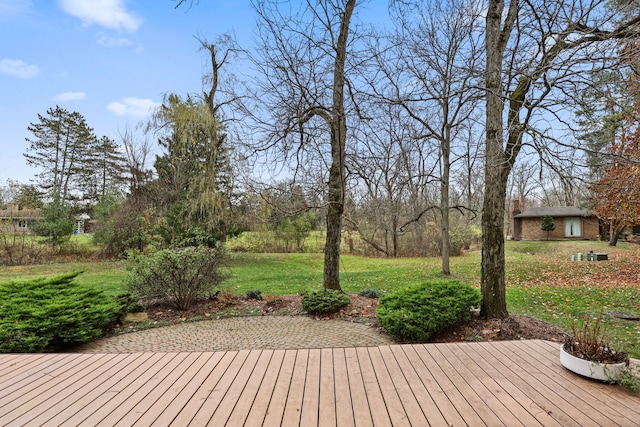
(45, 315)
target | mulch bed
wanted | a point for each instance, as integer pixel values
(361, 310)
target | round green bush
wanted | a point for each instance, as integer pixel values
(415, 313)
(371, 293)
(177, 276)
(325, 301)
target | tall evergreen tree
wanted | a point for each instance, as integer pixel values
(106, 170)
(188, 171)
(61, 147)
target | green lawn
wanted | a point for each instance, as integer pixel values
(542, 281)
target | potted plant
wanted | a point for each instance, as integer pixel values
(587, 352)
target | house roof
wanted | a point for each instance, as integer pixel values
(557, 212)
(12, 212)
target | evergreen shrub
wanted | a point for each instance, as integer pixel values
(415, 313)
(47, 315)
(325, 301)
(371, 293)
(254, 294)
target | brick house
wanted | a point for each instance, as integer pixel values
(15, 220)
(571, 223)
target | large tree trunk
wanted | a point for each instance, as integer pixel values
(493, 285)
(492, 279)
(337, 180)
(334, 216)
(444, 205)
(615, 234)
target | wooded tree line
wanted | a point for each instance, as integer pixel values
(433, 122)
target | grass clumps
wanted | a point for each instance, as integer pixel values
(325, 301)
(47, 315)
(415, 313)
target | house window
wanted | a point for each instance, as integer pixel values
(22, 224)
(573, 227)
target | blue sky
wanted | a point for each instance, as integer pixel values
(109, 60)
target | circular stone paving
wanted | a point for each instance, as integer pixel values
(242, 333)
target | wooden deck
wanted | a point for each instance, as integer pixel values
(513, 383)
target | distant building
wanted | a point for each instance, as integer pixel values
(82, 222)
(571, 223)
(15, 220)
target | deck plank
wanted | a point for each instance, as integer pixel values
(188, 387)
(377, 405)
(111, 396)
(126, 393)
(248, 397)
(502, 404)
(164, 406)
(438, 407)
(420, 393)
(11, 366)
(463, 408)
(214, 393)
(293, 404)
(207, 384)
(258, 410)
(472, 390)
(85, 395)
(515, 389)
(395, 405)
(50, 393)
(158, 388)
(327, 399)
(534, 384)
(311, 393)
(361, 407)
(254, 364)
(24, 379)
(343, 404)
(409, 401)
(277, 403)
(487, 383)
(563, 387)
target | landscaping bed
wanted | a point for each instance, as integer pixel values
(361, 310)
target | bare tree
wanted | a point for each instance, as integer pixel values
(537, 54)
(433, 75)
(303, 61)
(137, 149)
(394, 171)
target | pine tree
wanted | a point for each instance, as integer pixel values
(547, 225)
(62, 146)
(104, 171)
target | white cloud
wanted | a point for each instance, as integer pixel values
(69, 96)
(132, 106)
(18, 68)
(106, 13)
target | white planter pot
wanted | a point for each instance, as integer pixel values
(587, 368)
